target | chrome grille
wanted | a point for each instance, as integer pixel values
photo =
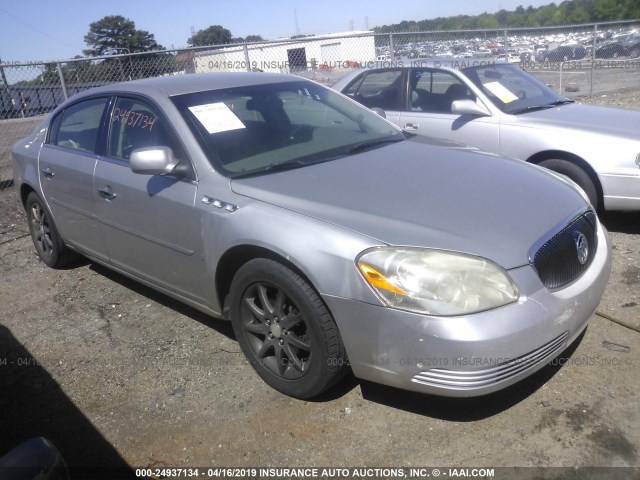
(472, 379)
(557, 261)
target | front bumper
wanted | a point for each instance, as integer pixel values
(475, 354)
(621, 192)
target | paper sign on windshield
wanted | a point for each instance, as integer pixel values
(216, 117)
(504, 94)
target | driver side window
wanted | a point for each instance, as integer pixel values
(434, 91)
(135, 124)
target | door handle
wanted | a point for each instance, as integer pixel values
(105, 192)
(411, 126)
(48, 173)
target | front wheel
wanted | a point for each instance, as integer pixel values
(285, 330)
(44, 234)
(575, 173)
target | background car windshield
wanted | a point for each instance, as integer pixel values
(254, 129)
(511, 89)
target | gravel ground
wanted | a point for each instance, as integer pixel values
(625, 100)
(117, 374)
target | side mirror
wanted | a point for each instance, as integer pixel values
(469, 107)
(152, 161)
(35, 458)
(379, 111)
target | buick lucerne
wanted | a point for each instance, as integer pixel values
(330, 238)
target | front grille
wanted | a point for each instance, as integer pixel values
(558, 260)
(474, 379)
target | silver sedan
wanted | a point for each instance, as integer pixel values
(500, 108)
(326, 236)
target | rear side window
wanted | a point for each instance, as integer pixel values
(378, 89)
(77, 126)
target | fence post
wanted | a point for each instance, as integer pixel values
(5, 87)
(246, 57)
(62, 84)
(506, 43)
(391, 47)
(593, 57)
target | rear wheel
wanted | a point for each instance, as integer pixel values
(285, 330)
(575, 173)
(44, 234)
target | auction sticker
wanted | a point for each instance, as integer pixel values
(216, 117)
(500, 91)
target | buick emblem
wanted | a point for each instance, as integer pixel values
(582, 248)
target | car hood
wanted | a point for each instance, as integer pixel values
(415, 194)
(618, 122)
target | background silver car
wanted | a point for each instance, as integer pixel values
(326, 236)
(500, 108)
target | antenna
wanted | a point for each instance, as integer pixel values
(351, 25)
(295, 16)
(366, 23)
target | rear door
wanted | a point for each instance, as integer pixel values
(66, 165)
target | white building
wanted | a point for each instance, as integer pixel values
(319, 52)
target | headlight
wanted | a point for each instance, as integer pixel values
(436, 282)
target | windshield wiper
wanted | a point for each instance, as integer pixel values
(279, 167)
(274, 167)
(360, 147)
(543, 107)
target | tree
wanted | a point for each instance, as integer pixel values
(114, 33)
(248, 39)
(567, 12)
(213, 35)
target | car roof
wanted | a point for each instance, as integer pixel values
(438, 63)
(189, 83)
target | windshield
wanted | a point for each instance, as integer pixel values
(511, 89)
(265, 128)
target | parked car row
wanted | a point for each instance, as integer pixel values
(541, 48)
(627, 47)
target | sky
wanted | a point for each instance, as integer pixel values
(34, 30)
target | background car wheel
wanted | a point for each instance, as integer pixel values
(44, 234)
(285, 330)
(575, 173)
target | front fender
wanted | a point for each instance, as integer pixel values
(324, 253)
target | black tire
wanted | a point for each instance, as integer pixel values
(49, 245)
(285, 330)
(575, 173)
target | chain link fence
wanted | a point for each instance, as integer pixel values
(577, 61)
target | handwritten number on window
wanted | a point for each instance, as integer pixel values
(133, 119)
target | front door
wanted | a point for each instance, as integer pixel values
(152, 228)
(428, 111)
